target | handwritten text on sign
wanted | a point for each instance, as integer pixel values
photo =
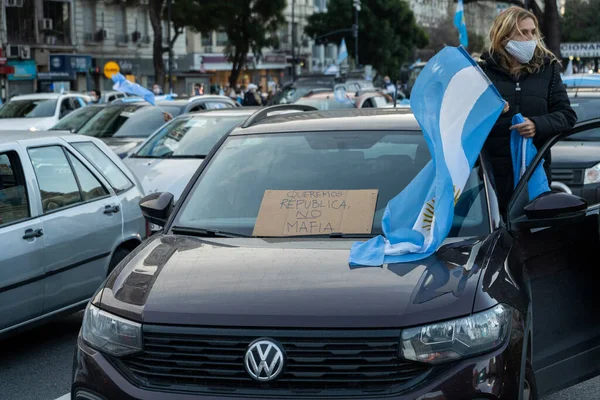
(315, 212)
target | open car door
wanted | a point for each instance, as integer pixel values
(557, 239)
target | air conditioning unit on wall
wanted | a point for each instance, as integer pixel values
(18, 51)
(45, 24)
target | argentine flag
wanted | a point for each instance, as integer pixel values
(461, 25)
(456, 106)
(125, 86)
(581, 80)
(342, 53)
(523, 151)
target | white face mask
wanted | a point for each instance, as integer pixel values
(522, 51)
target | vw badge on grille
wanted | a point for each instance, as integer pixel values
(264, 360)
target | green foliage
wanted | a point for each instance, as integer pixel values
(580, 22)
(387, 36)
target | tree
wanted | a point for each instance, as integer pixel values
(387, 36)
(580, 22)
(155, 10)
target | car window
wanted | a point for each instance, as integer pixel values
(91, 188)
(130, 120)
(215, 105)
(197, 108)
(31, 108)
(109, 170)
(74, 121)
(14, 205)
(56, 181)
(189, 137)
(66, 106)
(297, 161)
(586, 108)
(368, 103)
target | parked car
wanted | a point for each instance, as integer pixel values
(124, 126)
(291, 92)
(68, 215)
(576, 160)
(331, 101)
(213, 102)
(39, 111)
(110, 96)
(207, 309)
(73, 122)
(171, 156)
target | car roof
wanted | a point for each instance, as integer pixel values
(35, 96)
(208, 97)
(351, 119)
(224, 112)
(14, 136)
(324, 95)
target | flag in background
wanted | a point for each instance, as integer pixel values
(456, 106)
(124, 86)
(523, 151)
(569, 69)
(342, 53)
(461, 25)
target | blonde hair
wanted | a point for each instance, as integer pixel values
(504, 26)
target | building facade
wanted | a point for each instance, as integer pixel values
(66, 44)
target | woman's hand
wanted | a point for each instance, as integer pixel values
(526, 129)
(167, 116)
(506, 107)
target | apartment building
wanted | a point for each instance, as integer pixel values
(54, 44)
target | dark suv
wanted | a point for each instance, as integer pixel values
(211, 308)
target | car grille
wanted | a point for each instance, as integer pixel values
(212, 360)
(567, 176)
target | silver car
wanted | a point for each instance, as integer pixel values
(68, 215)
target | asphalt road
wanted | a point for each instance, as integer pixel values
(36, 365)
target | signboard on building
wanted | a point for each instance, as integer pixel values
(25, 70)
(69, 63)
(583, 50)
(56, 76)
(111, 68)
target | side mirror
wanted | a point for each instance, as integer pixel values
(552, 209)
(156, 207)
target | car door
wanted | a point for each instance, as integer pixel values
(21, 259)
(82, 224)
(560, 262)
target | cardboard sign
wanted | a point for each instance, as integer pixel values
(315, 212)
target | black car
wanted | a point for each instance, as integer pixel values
(576, 160)
(206, 309)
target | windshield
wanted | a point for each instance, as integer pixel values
(132, 120)
(327, 103)
(31, 108)
(189, 137)
(386, 161)
(74, 121)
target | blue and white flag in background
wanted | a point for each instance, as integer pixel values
(581, 80)
(523, 151)
(456, 106)
(569, 68)
(342, 52)
(125, 86)
(461, 25)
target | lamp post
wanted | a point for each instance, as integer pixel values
(293, 41)
(355, 29)
(170, 66)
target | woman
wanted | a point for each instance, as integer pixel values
(527, 75)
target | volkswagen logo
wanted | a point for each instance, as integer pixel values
(264, 360)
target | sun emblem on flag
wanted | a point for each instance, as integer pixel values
(429, 211)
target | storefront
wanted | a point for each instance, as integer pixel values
(585, 56)
(22, 81)
(74, 69)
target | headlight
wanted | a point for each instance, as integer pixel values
(452, 340)
(592, 175)
(111, 334)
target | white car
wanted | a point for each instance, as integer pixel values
(39, 111)
(167, 160)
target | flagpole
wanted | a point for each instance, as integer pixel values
(356, 9)
(293, 42)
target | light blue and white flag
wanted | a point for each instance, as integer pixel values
(456, 106)
(342, 52)
(523, 151)
(569, 69)
(125, 86)
(461, 25)
(581, 80)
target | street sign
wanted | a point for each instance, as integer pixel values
(111, 68)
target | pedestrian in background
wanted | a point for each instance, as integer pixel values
(527, 75)
(95, 95)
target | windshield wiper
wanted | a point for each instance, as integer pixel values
(205, 232)
(199, 156)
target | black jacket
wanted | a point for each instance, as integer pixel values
(542, 98)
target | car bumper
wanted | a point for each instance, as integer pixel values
(493, 376)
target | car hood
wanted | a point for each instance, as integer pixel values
(288, 283)
(124, 145)
(24, 124)
(163, 175)
(575, 154)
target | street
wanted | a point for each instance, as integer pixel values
(36, 365)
